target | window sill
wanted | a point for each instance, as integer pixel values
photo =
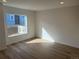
(14, 26)
(16, 34)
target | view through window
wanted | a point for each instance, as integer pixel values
(19, 21)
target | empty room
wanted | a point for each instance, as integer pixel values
(39, 29)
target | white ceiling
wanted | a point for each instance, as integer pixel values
(38, 5)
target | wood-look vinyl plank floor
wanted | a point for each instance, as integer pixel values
(39, 49)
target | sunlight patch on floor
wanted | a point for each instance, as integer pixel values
(38, 41)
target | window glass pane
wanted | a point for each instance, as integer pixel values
(10, 19)
(22, 20)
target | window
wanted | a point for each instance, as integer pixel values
(19, 21)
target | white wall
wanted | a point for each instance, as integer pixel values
(2, 28)
(61, 24)
(31, 24)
